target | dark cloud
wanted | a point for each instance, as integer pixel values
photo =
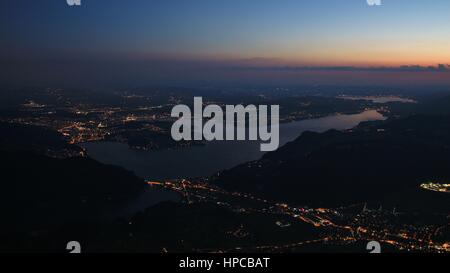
(403, 68)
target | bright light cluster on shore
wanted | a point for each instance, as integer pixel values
(431, 186)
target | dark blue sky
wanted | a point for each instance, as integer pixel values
(157, 37)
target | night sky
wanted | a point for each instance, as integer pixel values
(176, 42)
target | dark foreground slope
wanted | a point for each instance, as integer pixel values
(39, 194)
(381, 164)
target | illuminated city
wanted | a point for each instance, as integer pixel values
(338, 226)
(444, 188)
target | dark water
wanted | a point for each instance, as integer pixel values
(213, 157)
(149, 197)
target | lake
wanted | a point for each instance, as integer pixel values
(214, 156)
(379, 99)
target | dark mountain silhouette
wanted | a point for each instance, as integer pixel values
(379, 162)
(39, 194)
(180, 227)
(18, 137)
